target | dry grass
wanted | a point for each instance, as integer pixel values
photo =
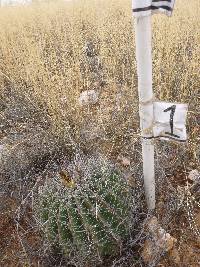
(42, 61)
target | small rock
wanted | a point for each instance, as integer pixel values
(160, 242)
(89, 97)
(162, 238)
(167, 242)
(194, 176)
(124, 161)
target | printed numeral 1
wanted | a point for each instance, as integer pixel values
(171, 121)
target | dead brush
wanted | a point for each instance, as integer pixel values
(43, 57)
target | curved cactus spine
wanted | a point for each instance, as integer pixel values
(90, 219)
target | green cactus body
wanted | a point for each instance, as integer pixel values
(103, 244)
(79, 233)
(52, 225)
(90, 219)
(65, 235)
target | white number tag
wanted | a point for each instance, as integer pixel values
(170, 120)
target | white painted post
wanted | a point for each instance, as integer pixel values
(144, 69)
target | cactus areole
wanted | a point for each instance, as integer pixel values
(92, 219)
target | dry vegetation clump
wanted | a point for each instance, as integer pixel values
(45, 66)
(44, 63)
(50, 54)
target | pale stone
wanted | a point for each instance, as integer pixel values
(160, 242)
(194, 175)
(124, 161)
(89, 97)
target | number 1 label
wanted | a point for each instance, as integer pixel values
(171, 120)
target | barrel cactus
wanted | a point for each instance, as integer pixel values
(90, 218)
